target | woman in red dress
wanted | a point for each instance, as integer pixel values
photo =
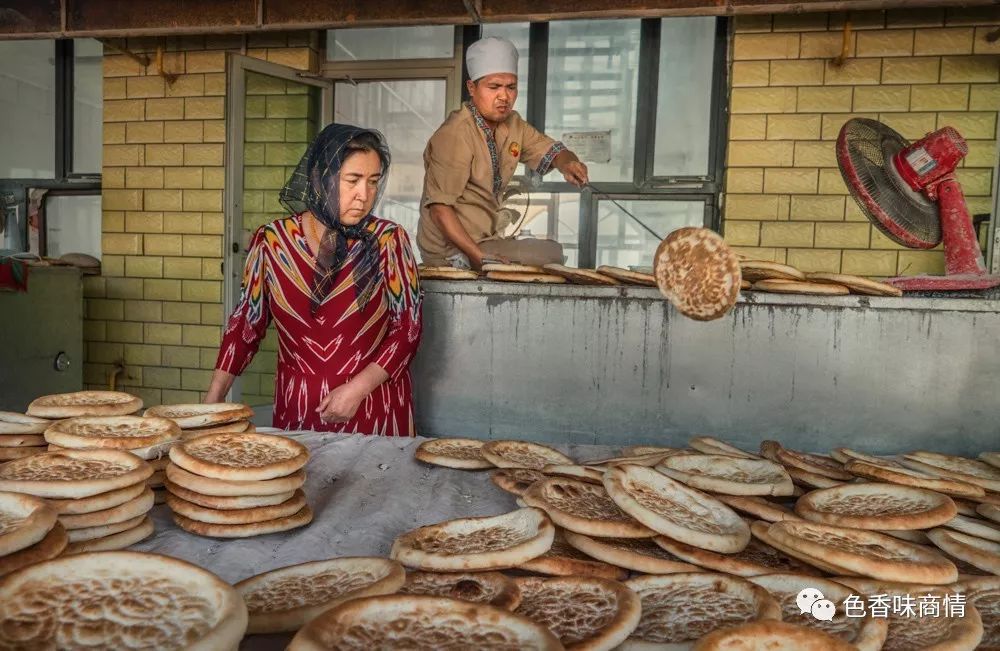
(341, 287)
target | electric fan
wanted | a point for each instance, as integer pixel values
(910, 193)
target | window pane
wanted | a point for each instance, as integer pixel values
(407, 112)
(378, 43)
(549, 216)
(622, 242)
(517, 33)
(73, 225)
(593, 72)
(88, 104)
(684, 96)
(28, 107)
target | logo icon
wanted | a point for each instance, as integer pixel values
(811, 600)
(515, 149)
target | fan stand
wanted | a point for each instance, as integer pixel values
(964, 266)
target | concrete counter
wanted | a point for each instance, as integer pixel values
(617, 366)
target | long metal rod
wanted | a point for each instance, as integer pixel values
(607, 196)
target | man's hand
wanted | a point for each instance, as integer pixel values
(340, 405)
(575, 172)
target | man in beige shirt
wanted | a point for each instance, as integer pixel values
(470, 160)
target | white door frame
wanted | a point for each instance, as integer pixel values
(237, 66)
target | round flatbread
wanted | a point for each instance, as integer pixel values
(676, 511)
(907, 477)
(755, 559)
(145, 437)
(640, 450)
(754, 270)
(678, 609)
(759, 507)
(50, 546)
(421, 623)
(563, 559)
(810, 463)
(516, 480)
(913, 536)
(585, 613)
(228, 488)
(115, 541)
(857, 284)
(811, 480)
(99, 502)
(133, 600)
(797, 287)
(465, 454)
(649, 460)
(865, 552)
(135, 507)
(709, 445)
(983, 594)
(727, 474)
(992, 458)
(877, 506)
(21, 440)
(286, 599)
(697, 271)
(12, 423)
(84, 403)
(770, 636)
(512, 268)
(492, 588)
(970, 471)
(234, 427)
(524, 277)
(522, 454)
(485, 543)
(961, 632)
(227, 503)
(240, 457)
(845, 455)
(865, 633)
(104, 530)
(298, 519)
(251, 515)
(989, 511)
(10, 454)
(74, 473)
(760, 531)
(974, 527)
(24, 521)
(580, 276)
(639, 555)
(447, 273)
(582, 473)
(189, 416)
(584, 508)
(627, 276)
(984, 554)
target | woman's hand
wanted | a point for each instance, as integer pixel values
(340, 405)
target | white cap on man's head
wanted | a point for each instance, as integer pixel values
(490, 56)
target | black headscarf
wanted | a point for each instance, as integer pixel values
(314, 185)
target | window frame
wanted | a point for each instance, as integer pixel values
(65, 181)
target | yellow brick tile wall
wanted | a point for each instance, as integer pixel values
(157, 308)
(914, 70)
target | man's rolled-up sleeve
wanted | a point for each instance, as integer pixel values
(538, 150)
(447, 167)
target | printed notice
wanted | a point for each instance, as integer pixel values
(589, 146)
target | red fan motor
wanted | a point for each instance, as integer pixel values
(910, 193)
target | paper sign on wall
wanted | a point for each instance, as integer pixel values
(589, 146)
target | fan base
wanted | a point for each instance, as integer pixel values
(944, 283)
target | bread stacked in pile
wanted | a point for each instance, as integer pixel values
(550, 274)
(21, 435)
(775, 277)
(716, 543)
(198, 419)
(29, 531)
(235, 485)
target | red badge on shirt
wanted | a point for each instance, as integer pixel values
(515, 149)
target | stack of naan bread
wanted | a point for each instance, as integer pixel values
(236, 485)
(100, 496)
(767, 276)
(550, 273)
(29, 531)
(717, 543)
(198, 419)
